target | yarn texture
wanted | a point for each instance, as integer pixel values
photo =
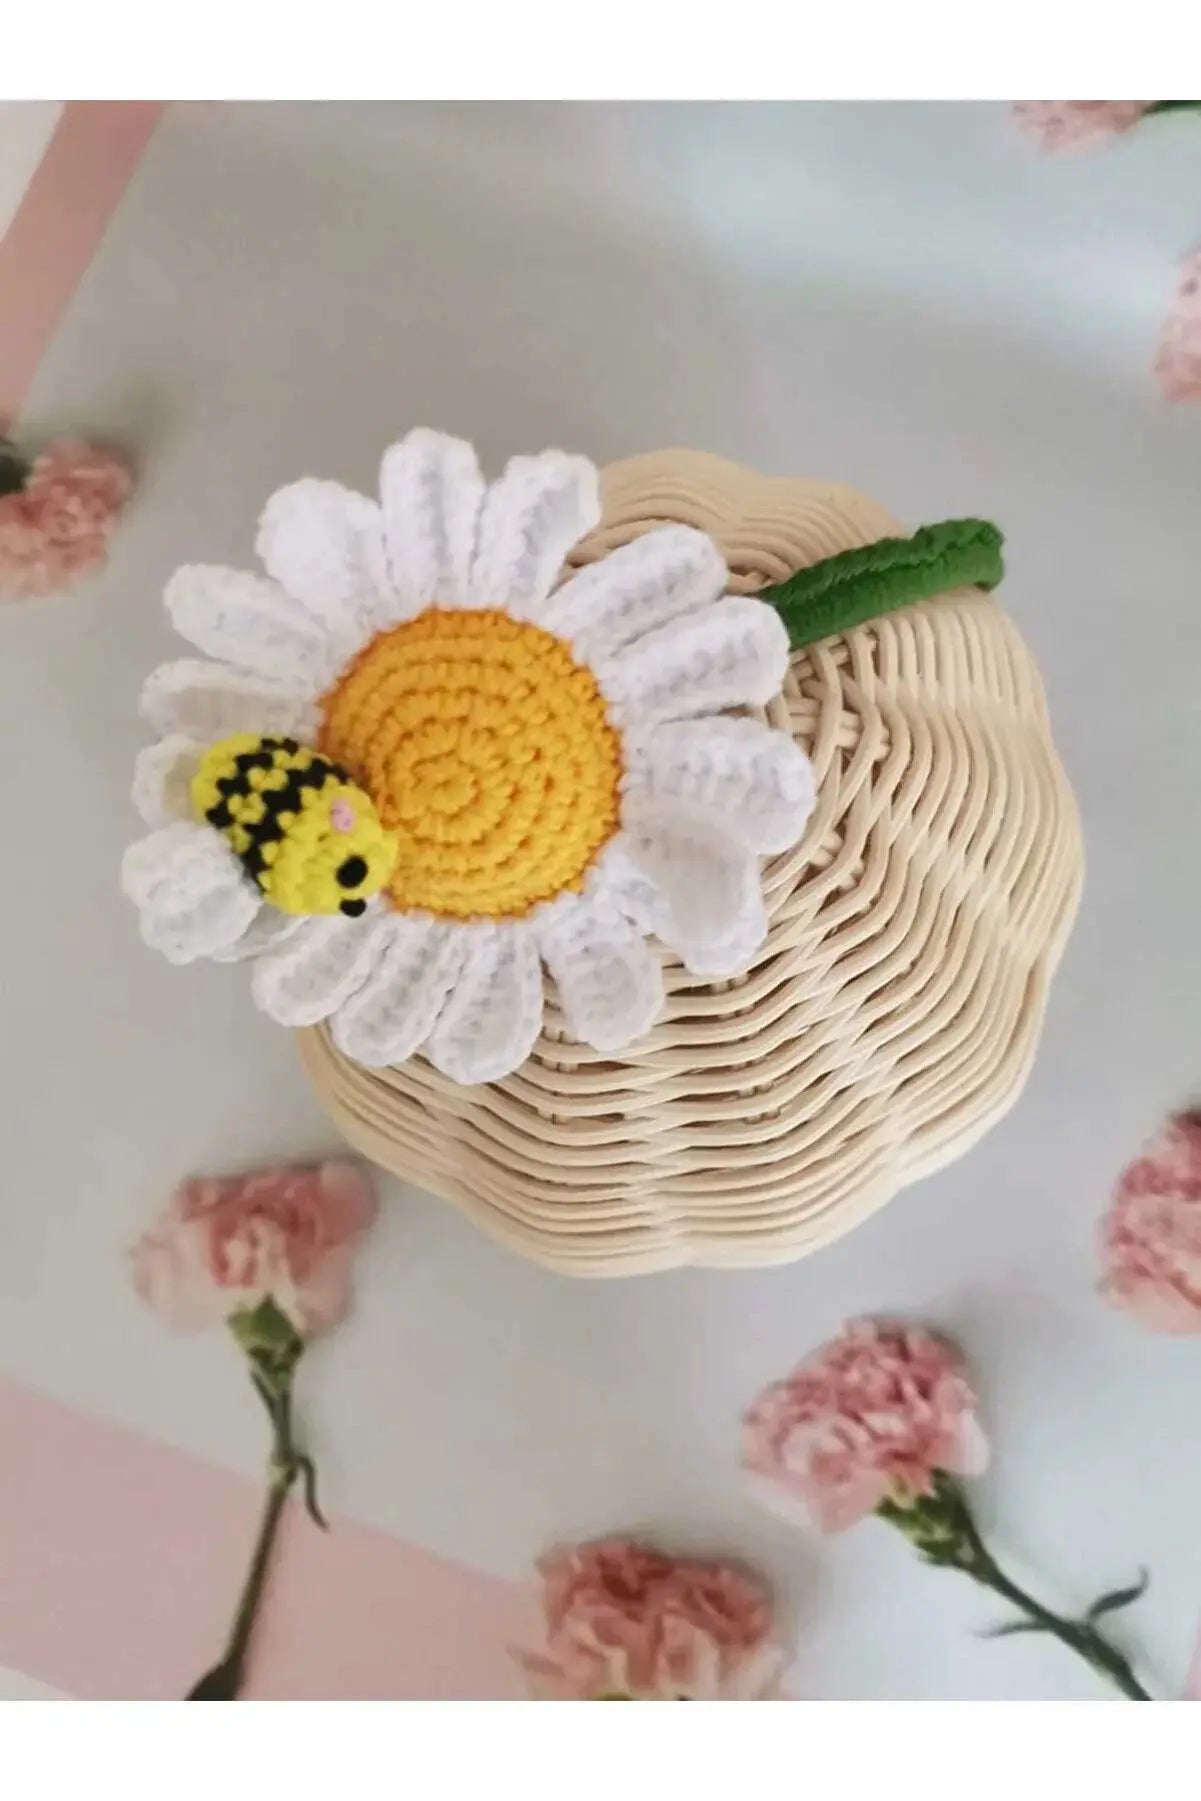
(302, 831)
(892, 1011)
(856, 585)
(492, 756)
(530, 773)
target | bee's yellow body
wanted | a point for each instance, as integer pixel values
(304, 833)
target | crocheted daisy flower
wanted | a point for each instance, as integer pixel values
(544, 771)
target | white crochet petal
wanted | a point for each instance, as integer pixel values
(634, 590)
(731, 654)
(191, 895)
(756, 784)
(645, 905)
(316, 969)
(710, 907)
(269, 929)
(209, 701)
(730, 955)
(162, 779)
(491, 1020)
(610, 982)
(324, 544)
(398, 1006)
(251, 624)
(630, 890)
(539, 509)
(431, 492)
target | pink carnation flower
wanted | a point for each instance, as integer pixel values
(1178, 360)
(625, 1622)
(226, 1243)
(871, 1416)
(1078, 124)
(57, 526)
(1151, 1236)
(1192, 1686)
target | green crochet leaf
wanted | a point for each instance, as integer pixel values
(844, 590)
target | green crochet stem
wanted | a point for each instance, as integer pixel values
(844, 590)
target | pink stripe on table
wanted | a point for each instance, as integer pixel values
(95, 149)
(120, 1562)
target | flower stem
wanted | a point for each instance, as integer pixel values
(273, 1351)
(224, 1681)
(942, 1528)
(1080, 1636)
(14, 468)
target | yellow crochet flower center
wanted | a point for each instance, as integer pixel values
(488, 751)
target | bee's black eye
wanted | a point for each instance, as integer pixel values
(353, 909)
(351, 872)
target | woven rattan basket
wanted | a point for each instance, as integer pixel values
(894, 1011)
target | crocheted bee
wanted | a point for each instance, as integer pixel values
(304, 833)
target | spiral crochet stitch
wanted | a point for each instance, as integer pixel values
(488, 752)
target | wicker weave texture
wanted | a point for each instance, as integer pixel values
(894, 1011)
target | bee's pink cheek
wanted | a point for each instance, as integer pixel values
(341, 816)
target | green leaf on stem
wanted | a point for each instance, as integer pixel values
(308, 1474)
(939, 1525)
(1120, 1597)
(1012, 1626)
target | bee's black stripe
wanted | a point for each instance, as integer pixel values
(269, 829)
(285, 799)
(291, 748)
